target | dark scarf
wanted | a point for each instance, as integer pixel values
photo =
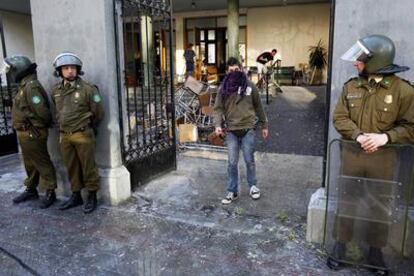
(231, 83)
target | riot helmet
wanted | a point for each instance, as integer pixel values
(64, 59)
(17, 67)
(377, 52)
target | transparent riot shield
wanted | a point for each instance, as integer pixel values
(367, 212)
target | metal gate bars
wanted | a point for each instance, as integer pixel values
(146, 100)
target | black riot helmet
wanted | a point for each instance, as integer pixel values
(377, 52)
(17, 67)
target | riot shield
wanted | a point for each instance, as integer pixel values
(367, 212)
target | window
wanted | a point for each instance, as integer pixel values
(211, 53)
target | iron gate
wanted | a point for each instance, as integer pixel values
(148, 122)
(8, 141)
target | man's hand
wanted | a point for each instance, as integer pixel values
(370, 142)
(265, 133)
(361, 138)
(219, 131)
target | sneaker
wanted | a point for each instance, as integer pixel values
(230, 197)
(254, 192)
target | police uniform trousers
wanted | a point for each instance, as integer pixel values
(36, 160)
(371, 198)
(78, 152)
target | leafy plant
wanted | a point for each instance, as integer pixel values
(318, 56)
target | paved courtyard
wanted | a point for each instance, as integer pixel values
(174, 225)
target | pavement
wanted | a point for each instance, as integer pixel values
(296, 121)
(174, 225)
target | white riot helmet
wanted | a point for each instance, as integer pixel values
(67, 58)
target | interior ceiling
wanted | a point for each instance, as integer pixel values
(20, 6)
(23, 6)
(186, 5)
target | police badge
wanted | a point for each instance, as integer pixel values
(388, 99)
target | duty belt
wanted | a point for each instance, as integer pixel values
(82, 129)
(25, 128)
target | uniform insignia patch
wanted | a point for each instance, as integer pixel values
(388, 99)
(77, 95)
(36, 99)
(248, 91)
(96, 98)
(21, 92)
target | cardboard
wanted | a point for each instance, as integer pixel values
(204, 99)
(188, 133)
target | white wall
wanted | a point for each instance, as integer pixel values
(18, 34)
(290, 29)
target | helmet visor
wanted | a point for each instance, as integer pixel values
(357, 52)
(5, 68)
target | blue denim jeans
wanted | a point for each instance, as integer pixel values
(247, 145)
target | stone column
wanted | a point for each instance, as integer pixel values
(233, 28)
(147, 48)
(87, 29)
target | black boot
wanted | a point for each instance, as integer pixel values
(50, 197)
(28, 194)
(74, 200)
(90, 203)
(376, 260)
(338, 255)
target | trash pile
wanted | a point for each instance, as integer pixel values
(194, 102)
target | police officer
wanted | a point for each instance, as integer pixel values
(31, 119)
(376, 108)
(78, 113)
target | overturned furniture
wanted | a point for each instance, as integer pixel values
(194, 104)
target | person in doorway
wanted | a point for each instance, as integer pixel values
(375, 109)
(78, 112)
(31, 118)
(238, 106)
(189, 56)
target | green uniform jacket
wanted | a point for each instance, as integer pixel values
(77, 106)
(385, 107)
(31, 102)
(240, 112)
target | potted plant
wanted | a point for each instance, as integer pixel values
(317, 61)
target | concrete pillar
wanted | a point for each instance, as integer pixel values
(147, 48)
(233, 28)
(355, 19)
(87, 29)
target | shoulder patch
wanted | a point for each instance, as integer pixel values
(36, 99)
(96, 98)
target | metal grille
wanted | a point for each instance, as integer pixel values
(148, 122)
(8, 141)
(5, 110)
